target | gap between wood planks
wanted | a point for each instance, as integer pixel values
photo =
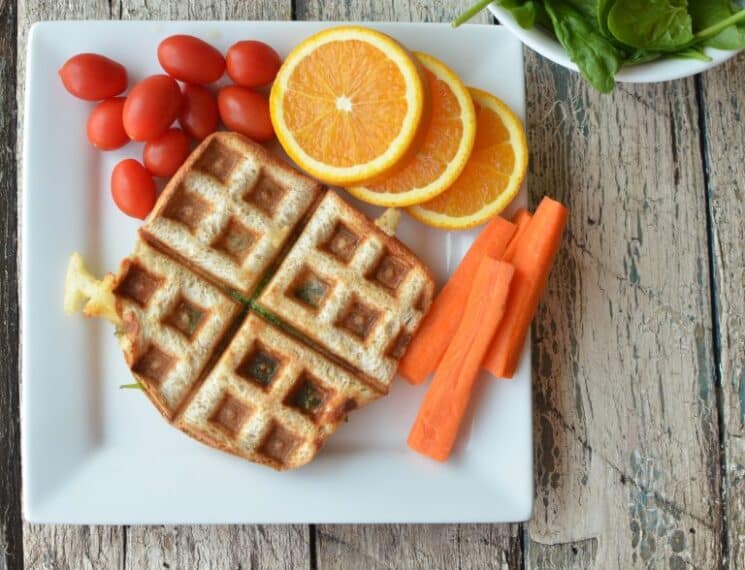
(312, 554)
(11, 527)
(715, 325)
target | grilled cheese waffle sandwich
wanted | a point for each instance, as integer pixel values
(343, 302)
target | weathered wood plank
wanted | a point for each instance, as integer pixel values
(627, 462)
(724, 118)
(217, 547)
(353, 547)
(408, 546)
(11, 540)
(392, 11)
(202, 10)
(67, 547)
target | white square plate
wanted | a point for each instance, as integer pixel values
(93, 453)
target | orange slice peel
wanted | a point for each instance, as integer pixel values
(492, 176)
(347, 104)
(444, 150)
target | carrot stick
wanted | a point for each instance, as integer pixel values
(520, 219)
(521, 216)
(439, 325)
(436, 426)
(533, 257)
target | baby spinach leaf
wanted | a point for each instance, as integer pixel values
(658, 25)
(597, 59)
(602, 11)
(240, 298)
(541, 16)
(588, 8)
(642, 56)
(693, 52)
(707, 14)
(523, 11)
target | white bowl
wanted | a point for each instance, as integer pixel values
(662, 70)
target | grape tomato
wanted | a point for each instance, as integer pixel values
(151, 107)
(198, 115)
(190, 59)
(245, 111)
(105, 128)
(164, 155)
(132, 188)
(93, 77)
(252, 63)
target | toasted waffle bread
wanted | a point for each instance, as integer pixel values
(357, 292)
(229, 210)
(271, 398)
(172, 323)
(346, 295)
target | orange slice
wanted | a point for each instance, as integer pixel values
(493, 173)
(444, 150)
(347, 104)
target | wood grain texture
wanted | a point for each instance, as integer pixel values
(627, 460)
(218, 547)
(202, 9)
(67, 547)
(10, 454)
(388, 11)
(425, 547)
(408, 546)
(724, 121)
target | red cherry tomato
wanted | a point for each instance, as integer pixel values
(164, 155)
(93, 77)
(190, 59)
(132, 188)
(151, 107)
(245, 111)
(105, 128)
(198, 111)
(252, 64)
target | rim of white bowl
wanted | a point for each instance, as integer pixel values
(652, 72)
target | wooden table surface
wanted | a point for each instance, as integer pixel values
(639, 355)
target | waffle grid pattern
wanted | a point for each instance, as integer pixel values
(352, 289)
(229, 211)
(271, 398)
(173, 322)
